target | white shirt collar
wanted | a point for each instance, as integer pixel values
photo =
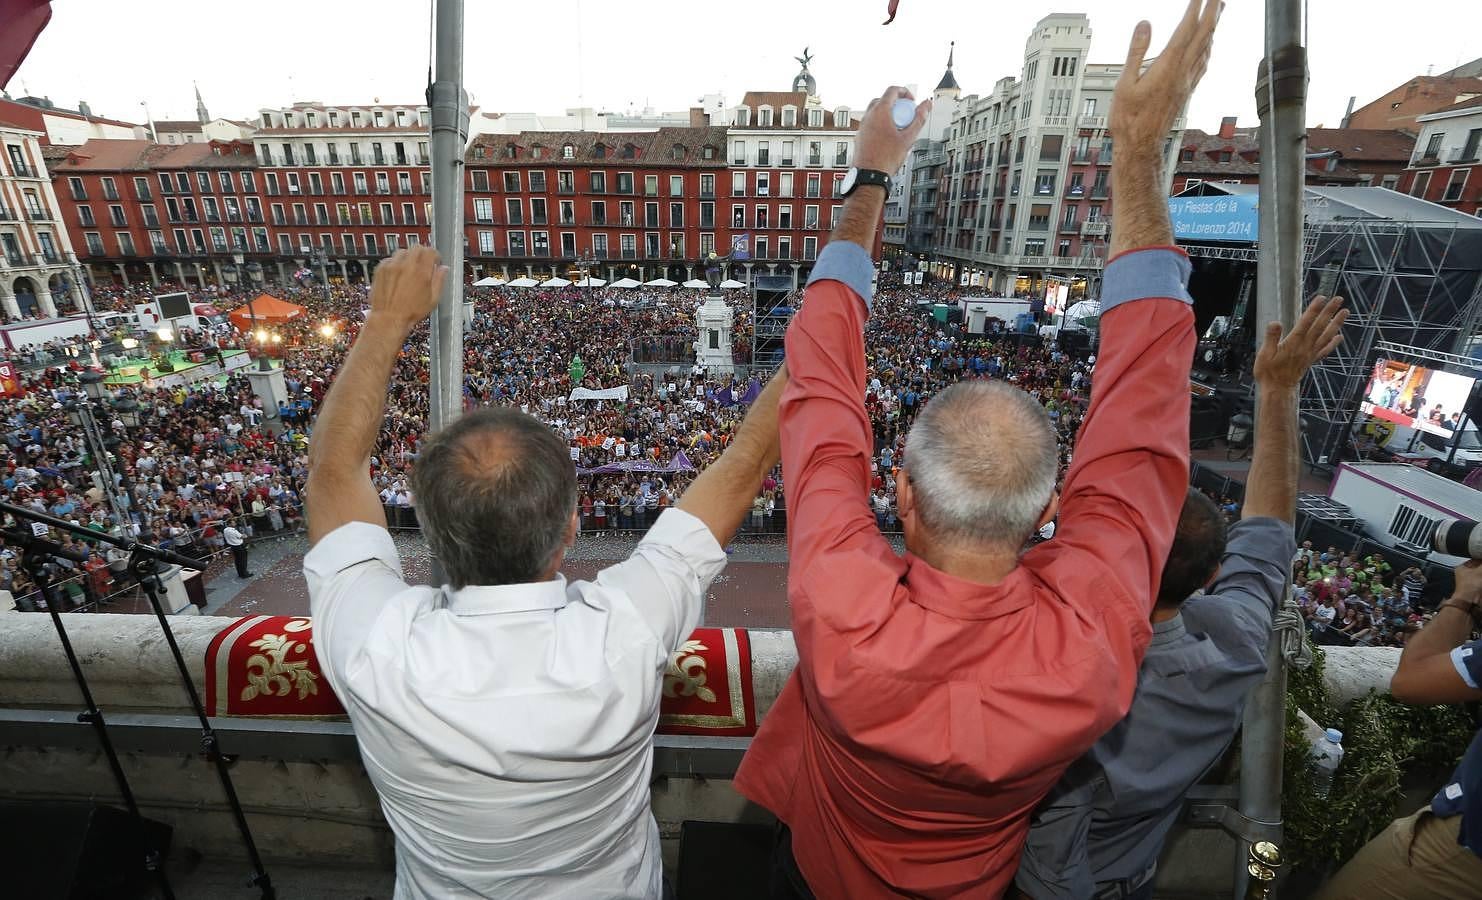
(492, 599)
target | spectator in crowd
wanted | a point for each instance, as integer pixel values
(881, 784)
(506, 717)
(1437, 852)
(1100, 831)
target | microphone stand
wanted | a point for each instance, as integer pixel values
(35, 564)
(144, 560)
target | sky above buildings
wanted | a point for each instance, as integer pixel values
(629, 54)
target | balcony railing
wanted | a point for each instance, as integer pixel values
(1098, 192)
(1069, 227)
(815, 160)
(38, 215)
(21, 170)
(15, 259)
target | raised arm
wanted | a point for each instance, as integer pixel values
(1275, 463)
(826, 437)
(339, 488)
(1125, 489)
(721, 497)
(1438, 666)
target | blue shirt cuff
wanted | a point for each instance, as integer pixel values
(1468, 662)
(848, 263)
(1143, 274)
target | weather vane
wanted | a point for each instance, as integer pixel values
(805, 58)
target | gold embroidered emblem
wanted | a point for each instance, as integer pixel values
(686, 674)
(271, 672)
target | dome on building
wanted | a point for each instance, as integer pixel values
(804, 81)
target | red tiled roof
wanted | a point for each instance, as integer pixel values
(1362, 143)
(101, 155)
(650, 148)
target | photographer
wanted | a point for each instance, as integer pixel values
(1438, 851)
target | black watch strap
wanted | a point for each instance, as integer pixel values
(865, 177)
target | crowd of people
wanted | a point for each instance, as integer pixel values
(206, 455)
(1350, 600)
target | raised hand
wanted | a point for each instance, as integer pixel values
(880, 145)
(1145, 104)
(1281, 362)
(406, 287)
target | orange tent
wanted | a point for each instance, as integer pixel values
(265, 310)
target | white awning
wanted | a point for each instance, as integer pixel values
(523, 282)
(731, 284)
(696, 283)
(491, 281)
(555, 282)
(590, 281)
(624, 283)
(661, 282)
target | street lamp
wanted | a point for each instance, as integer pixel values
(80, 413)
(263, 363)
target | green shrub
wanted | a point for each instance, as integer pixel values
(1383, 741)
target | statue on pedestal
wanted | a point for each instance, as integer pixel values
(715, 270)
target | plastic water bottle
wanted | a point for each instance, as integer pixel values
(1327, 755)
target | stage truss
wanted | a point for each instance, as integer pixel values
(1416, 284)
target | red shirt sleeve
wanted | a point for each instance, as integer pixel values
(825, 433)
(1130, 466)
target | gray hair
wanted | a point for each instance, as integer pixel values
(982, 460)
(495, 492)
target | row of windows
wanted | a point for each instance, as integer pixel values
(394, 153)
(600, 151)
(742, 117)
(655, 245)
(197, 241)
(627, 214)
(596, 183)
(170, 183)
(785, 157)
(11, 244)
(378, 118)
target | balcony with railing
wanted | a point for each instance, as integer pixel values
(16, 259)
(1099, 191)
(21, 170)
(37, 214)
(1069, 226)
(815, 160)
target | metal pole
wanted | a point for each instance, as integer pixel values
(1281, 98)
(449, 132)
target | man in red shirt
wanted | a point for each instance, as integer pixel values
(939, 696)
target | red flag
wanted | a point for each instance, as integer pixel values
(893, 5)
(23, 20)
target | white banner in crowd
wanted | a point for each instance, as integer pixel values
(617, 393)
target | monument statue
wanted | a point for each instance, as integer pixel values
(715, 269)
(804, 59)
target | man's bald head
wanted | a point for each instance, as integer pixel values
(494, 494)
(982, 460)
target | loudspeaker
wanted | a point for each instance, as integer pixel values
(57, 851)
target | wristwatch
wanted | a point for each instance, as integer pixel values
(857, 178)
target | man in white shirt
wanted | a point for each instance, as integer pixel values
(505, 718)
(236, 543)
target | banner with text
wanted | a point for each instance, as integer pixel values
(1233, 218)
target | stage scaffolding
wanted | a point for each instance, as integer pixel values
(772, 309)
(1417, 284)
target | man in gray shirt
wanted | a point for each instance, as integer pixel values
(1099, 832)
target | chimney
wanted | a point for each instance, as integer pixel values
(83, 108)
(1227, 127)
(698, 117)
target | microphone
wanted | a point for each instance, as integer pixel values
(33, 544)
(1458, 537)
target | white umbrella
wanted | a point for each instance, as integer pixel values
(696, 283)
(555, 282)
(624, 283)
(491, 281)
(589, 281)
(523, 282)
(660, 282)
(731, 284)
